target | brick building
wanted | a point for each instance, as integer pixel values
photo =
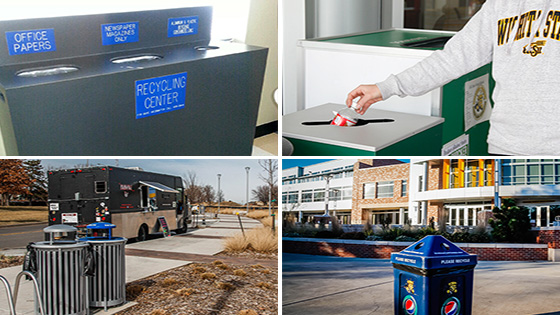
(379, 192)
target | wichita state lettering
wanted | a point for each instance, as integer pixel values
(526, 23)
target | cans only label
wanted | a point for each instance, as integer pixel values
(160, 95)
(119, 33)
(31, 42)
(182, 26)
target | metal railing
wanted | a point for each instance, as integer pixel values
(9, 294)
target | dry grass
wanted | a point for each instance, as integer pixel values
(265, 285)
(247, 312)
(185, 291)
(158, 312)
(259, 240)
(258, 214)
(225, 286)
(169, 282)
(199, 270)
(22, 215)
(239, 272)
(208, 275)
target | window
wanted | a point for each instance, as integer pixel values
(307, 196)
(530, 172)
(439, 15)
(369, 191)
(100, 187)
(404, 188)
(385, 189)
(292, 197)
(284, 197)
(318, 195)
(335, 194)
(347, 193)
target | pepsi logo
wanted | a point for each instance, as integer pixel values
(409, 305)
(451, 306)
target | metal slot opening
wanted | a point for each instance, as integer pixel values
(205, 48)
(133, 59)
(42, 72)
(361, 122)
(437, 42)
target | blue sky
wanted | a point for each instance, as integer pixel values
(289, 163)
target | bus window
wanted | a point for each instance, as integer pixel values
(100, 187)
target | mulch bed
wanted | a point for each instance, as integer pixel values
(10, 261)
(207, 288)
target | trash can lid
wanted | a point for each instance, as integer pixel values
(100, 226)
(433, 252)
(60, 228)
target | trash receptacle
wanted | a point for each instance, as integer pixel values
(107, 287)
(433, 276)
(60, 269)
(127, 83)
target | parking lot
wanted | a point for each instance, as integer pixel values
(334, 285)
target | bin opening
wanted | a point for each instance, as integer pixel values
(361, 122)
(437, 42)
(205, 48)
(445, 246)
(136, 58)
(419, 245)
(42, 72)
(2, 98)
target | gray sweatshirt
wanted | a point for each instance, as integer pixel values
(524, 46)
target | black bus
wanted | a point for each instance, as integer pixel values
(131, 199)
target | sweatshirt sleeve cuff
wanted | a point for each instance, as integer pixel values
(389, 87)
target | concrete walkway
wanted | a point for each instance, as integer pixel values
(334, 285)
(148, 258)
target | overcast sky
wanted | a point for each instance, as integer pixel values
(233, 181)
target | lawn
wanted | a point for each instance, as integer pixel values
(23, 215)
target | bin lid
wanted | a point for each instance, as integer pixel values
(60, 228)
(101, 226)
(433, 252)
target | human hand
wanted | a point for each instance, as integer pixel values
(368, 94)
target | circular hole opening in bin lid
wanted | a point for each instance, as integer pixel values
(43, 72)
(445, 246)
(60, 228)
(419, 245)
(101, 226)
(205, 48)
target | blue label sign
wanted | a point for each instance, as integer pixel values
(160, 95)
(30, 42)
(119, 33)
(182, 26)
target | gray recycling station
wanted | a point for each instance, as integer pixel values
(107, 287)
(60, 267)
(74, 275)
(136, 83)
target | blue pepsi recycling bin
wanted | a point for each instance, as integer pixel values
(433, 276)
(107, 287)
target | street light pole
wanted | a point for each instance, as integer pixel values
(247, 169)
(219, 195)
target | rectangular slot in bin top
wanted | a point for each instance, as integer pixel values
(43, 39)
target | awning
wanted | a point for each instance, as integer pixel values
(158, 186)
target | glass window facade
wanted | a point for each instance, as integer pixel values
(369, 191)
(530, 172)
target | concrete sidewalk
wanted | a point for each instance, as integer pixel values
(334, 285)
(138, 266)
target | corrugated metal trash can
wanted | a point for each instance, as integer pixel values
(59, 266)
(107, 287)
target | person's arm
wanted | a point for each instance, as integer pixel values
(469, 49)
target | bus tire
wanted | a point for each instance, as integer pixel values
(142, 233)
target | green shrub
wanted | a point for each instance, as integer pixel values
(404, 238)
(353, 236)
(511, 223)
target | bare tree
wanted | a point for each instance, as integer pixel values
(193, 190)
(208, 194)
(261, 193)
(270, 177)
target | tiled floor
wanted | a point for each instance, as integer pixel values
(266, 145)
